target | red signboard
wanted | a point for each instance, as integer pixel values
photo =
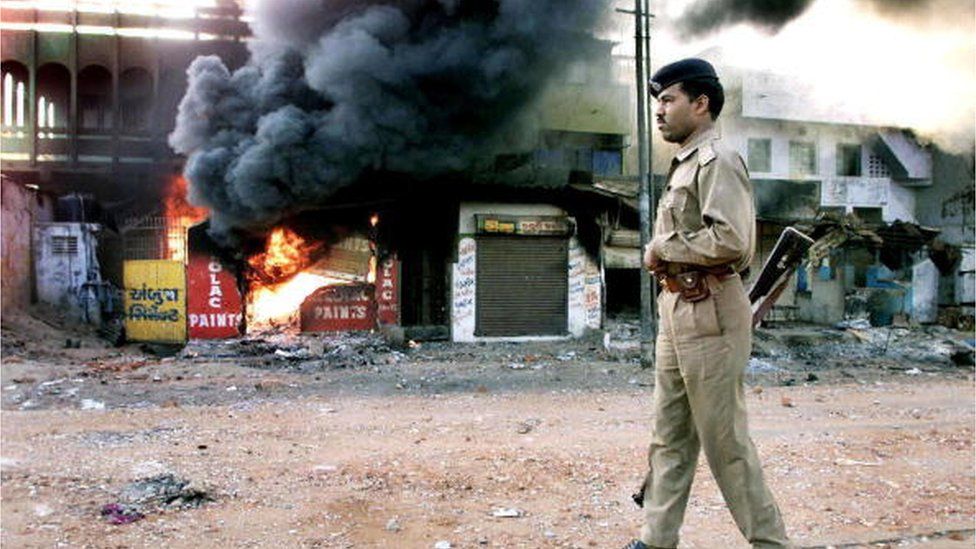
(388, 291)
(214, 306)
(343, 308)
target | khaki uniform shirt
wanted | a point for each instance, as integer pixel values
(706, 215)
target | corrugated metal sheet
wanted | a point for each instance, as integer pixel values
(522, 286)
(155, 301)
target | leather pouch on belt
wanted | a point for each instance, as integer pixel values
(693, 286)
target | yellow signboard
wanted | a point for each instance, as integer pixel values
(155, 301)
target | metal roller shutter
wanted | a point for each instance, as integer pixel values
(522, 286)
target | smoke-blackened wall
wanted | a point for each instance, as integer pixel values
(337, 88)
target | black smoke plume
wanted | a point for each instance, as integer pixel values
(336, 89)
(705, 16)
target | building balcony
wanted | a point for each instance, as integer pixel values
(19, 150)
(855, 191)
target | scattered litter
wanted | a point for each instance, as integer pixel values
(786, 401)
(913, 372)
(392, 525)
(121, 514)
(90, 404)
(506, 513)
(845, 461)
(516, 366)
(326, 468)
(856, 323)
(760, 366)
(442, 545)
(115, 367)
(152, 494)
(414, 345)
(231, 389)
(525, 427)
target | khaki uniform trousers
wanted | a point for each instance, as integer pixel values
(701, 354)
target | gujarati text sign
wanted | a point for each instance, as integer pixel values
(155, 301)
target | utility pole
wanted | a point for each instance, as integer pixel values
(645, 196)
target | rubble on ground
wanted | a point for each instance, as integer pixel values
(152, 495)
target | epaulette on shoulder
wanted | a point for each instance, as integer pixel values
(706, 153)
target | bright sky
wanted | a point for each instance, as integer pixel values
(917, 71)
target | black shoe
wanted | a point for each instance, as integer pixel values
(636, 544)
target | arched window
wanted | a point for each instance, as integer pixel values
(53, 92)
(13, 91)
(135, 98)
(172, 85)
(94, 99)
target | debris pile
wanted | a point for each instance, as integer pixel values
(303, 352)
(152, 495)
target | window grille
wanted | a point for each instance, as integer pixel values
(877, 167)
(64, 245)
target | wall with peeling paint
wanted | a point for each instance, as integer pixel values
(22, 208)
(67, 270)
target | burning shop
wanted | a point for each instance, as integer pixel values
(302, 276)
(341, 163)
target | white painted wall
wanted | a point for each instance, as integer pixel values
(68, 281)
(584, 281)
(925, 292)
(901, 204)
(896, 201)
(966, 278)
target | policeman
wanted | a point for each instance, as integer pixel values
(704, 236)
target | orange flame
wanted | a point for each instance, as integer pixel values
(291, 269)
(374, 220)
(278, 304)
(286, 254)
(180, 215)
(278, 285)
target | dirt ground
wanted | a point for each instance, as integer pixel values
(302, 441)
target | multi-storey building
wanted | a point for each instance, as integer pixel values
(90, 88)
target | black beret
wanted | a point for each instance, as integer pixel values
(679, 71)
